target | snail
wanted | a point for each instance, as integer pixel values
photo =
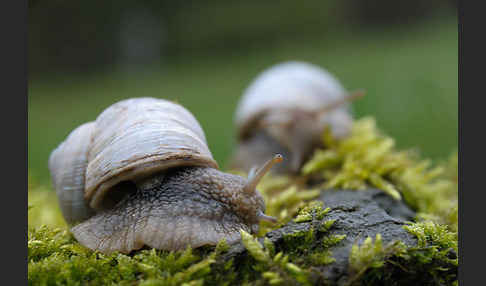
(141, 174)
(286, 110)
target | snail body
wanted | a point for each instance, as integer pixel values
(142, 174)
(286, 108)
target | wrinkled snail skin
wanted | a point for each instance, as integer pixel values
(287, 108)
(190, 206)
(141, 175)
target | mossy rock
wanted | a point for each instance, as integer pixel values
(366, 214)
(353, 218)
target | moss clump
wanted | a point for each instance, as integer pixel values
(293, 264)
(436, 240)
(310, 211)
(361, 160)
(434, 258)
(367, 158)
(284, 203)
(371, 255)
(311, 247)
(56, 259)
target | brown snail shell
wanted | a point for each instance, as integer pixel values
(142, 174)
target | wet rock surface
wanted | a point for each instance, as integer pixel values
(357, 214)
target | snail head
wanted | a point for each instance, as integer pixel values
(248, 202)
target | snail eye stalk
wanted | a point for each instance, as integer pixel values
(255, 176)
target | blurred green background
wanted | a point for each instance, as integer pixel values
(86, 55)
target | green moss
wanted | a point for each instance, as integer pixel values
(255, 249)
(436, 240)
(434, 258)
(332, 240)
(275, 269)
(43, 208)
(300, 240)
(55, 258)
(325, 226)
(298, 252)
(222, 247)
(284, 202)
(311, 247)
(321, 258)
(310, 211)
(368, 158)
(371, 255)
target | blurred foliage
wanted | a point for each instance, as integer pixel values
(43, 208)
(87, 35)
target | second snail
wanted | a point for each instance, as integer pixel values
(286, 110)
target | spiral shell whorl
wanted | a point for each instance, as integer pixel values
(67, 165)
(137, 137)
(129, 141)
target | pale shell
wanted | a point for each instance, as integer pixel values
(129, 141)
(67, 165)
(289, 85)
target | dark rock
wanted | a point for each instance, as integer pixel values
(360, 214)
(357, 214)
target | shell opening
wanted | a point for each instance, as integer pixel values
(255, 176)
